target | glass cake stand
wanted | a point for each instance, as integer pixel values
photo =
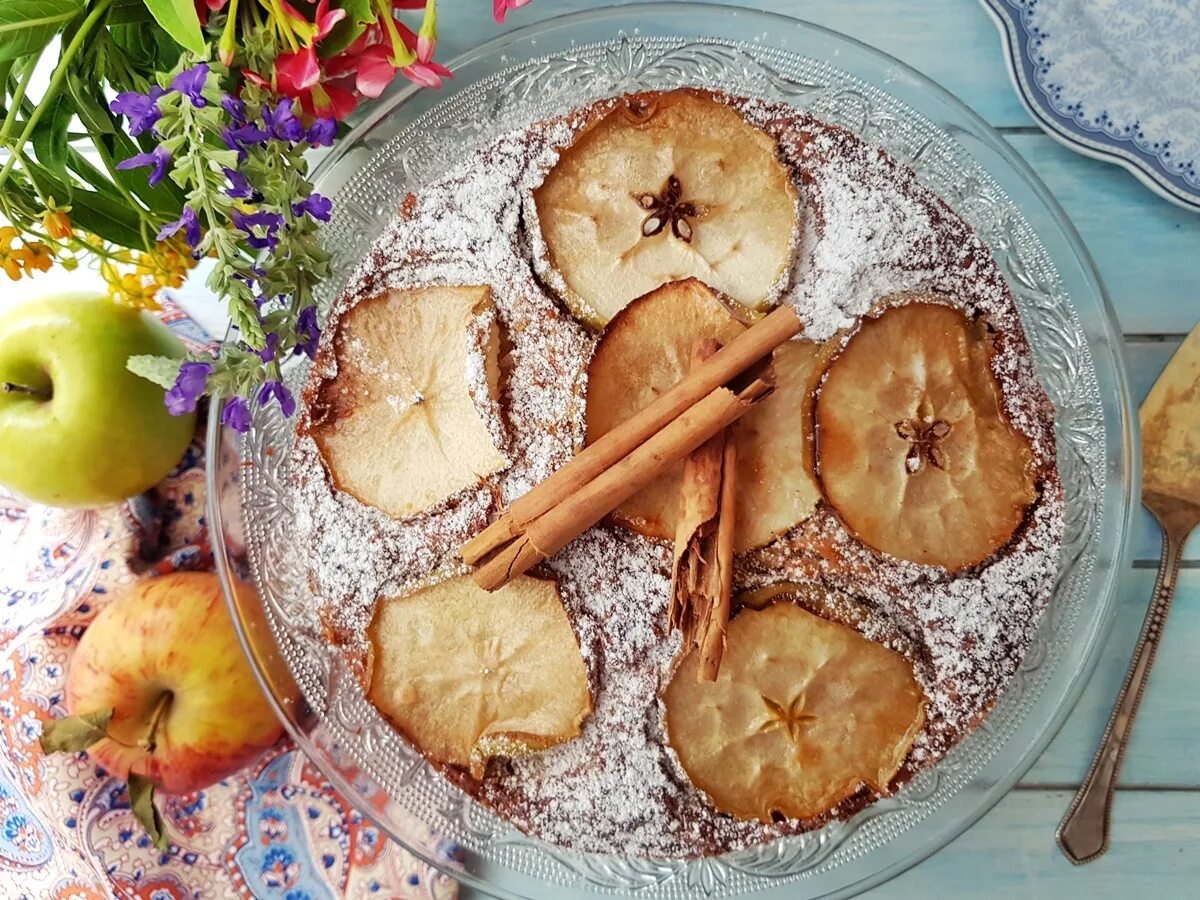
(547, 69)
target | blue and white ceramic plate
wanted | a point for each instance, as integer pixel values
(1114, 79)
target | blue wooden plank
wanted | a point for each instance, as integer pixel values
(1163, 748)
(1146, 249)
(952, 41)
(1011, 853)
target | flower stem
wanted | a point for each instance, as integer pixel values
(56, 81)
(18, 98)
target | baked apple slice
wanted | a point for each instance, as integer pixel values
(803, 714)
(646, 349)
(411, 418)
(662, 187)
(914, 448)
(468, 675)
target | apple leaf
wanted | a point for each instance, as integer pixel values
(161, 370)
(74, 733)
(141, 801)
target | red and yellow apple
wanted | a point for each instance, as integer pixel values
(165, 658)
(76, 427)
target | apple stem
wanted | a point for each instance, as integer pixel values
(149, 742)
(11, 388)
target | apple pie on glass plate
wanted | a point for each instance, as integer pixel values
(893, 521)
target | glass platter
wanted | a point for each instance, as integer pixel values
(547, 69)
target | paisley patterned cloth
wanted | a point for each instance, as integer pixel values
(274, 830)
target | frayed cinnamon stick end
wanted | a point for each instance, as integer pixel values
(702, 574)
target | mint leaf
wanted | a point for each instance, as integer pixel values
(162, 370)
(74, 733)
(141, 801)
(178, 19)
(26, 26)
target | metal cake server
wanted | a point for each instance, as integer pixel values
(1170, 420)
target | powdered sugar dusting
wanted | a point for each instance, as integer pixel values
(867, 229)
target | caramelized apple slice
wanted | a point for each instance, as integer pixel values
(467, 675)
(662, 187)
(803, 714)
(402, 427)
(645, 350)
(914, 448)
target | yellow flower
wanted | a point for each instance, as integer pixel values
(25, 260)
(37, 256)
(56, 222)
(133, 290)
(167, 264)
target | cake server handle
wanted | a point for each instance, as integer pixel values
(1083, 833)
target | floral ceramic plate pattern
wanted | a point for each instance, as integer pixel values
(1113, 79)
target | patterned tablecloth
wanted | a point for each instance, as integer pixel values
(276, 830)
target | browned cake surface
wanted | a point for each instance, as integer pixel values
(866, 229)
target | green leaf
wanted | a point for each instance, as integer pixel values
(141, 801)
(128, 12)
(147, 47)
(50, 138)
(26, 26)
(114, 222)
(359, 15)
(162, 370)
(92, 112)
(74, 733)
(178, 19)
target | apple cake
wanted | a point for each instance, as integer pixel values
(898, 513)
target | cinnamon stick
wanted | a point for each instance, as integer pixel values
(749, 347)
(702, 573)
(559, 525)
(712, 642)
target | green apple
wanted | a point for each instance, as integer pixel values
(76, 427)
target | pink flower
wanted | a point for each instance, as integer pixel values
(325, 18)
(368, 61)
(297, 72)
(427, 74)
(500, 8)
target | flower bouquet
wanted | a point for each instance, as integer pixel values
(174, 131)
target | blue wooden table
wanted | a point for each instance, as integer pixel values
(1148, 252)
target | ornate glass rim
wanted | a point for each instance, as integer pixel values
(622, 33)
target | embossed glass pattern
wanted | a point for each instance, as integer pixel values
(554, 67)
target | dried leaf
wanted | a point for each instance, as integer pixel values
(74, 733)
(141, 801)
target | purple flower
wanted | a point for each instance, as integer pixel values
(189, 385)
(315, 205)
(236, 414)
(190, 83)
(269, 222)
(267, 353)
(188, 223)
(235, 107)
(322, 132)
(240, 138)
(287, 403)
(306, 326)
(160, 158)
(140, 109)
(239, 187)
(282, 123)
